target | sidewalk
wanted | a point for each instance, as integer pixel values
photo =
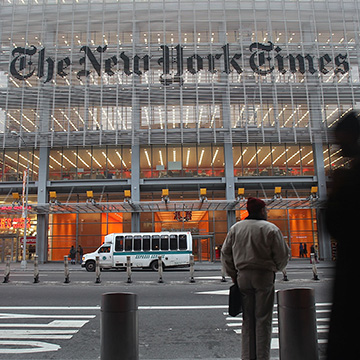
(293, 265)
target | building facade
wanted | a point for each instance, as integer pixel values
(164, 115)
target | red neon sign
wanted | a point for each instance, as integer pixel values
(15, 223)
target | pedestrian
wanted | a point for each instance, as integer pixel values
(81, 253)
(342, 219)
(312, 251)
(301, 250)
(72, 255)
(254, 249)
(316, 254)
(305, 250)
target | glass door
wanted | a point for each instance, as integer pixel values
(8, 247)
(203, 247)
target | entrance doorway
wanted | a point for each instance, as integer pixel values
(8, 246)
(204, 247)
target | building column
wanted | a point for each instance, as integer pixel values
(135, 185)
(323, 235)
(319, 166)
(135, 126)
(229, 182)
(226, 118)
(317, 127)
(42, 219)
(42, 198)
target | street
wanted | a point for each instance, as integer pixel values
(177, 319)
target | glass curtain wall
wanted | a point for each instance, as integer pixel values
(139, 67)
(273, 160)
(110, 162)
(86, 230)
(182, 161)
(298, 226)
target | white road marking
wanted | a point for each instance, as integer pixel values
(85, 308)
(214, 292)
(322, 324)
(53, 324)
(26, 347)
(210, 277)
(39, 316)
(18, 337)
(183, 307)
(151, 307)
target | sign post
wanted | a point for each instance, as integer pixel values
(25, 196)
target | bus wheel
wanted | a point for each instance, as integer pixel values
(90, 266)
(155, 265)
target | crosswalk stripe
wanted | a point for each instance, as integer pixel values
(53, 324)
(19, 337)
(28, 347)
(235, 323)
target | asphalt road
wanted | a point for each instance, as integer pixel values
(177, 319)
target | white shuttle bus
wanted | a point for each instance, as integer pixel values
(144, 249)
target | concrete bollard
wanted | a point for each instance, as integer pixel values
(119, 329)
(160, 270)
(297, 324)
(192, 280)
(66, 270)
(97, 270)
(7, 270)
(128, 269)
(36, 269)
(314, 267)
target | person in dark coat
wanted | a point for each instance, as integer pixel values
(305, 250)
(72, 255)
(342, 220)
(81, 253)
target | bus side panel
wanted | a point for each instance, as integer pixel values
(136, 260)
(144, 260)
(119, 260)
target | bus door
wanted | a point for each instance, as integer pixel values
(105, 256)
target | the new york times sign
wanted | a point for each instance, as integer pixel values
(263, 60)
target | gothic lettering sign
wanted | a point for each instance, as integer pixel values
(263, 60)
(183, 218)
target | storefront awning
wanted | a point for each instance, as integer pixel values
(155, 206)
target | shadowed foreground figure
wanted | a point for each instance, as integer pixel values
(343, 220)
(254, 249)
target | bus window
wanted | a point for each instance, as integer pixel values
(146, 242)
(155, 242)
(119, 243)
(128, 243)
(137, 242)
(173, 242)
(164, 242)
(182, 242)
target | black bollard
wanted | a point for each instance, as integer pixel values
(297, 324)
(119, 329)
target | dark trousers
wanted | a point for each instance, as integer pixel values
(257, 290)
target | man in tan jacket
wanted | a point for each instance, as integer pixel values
(254, 249)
